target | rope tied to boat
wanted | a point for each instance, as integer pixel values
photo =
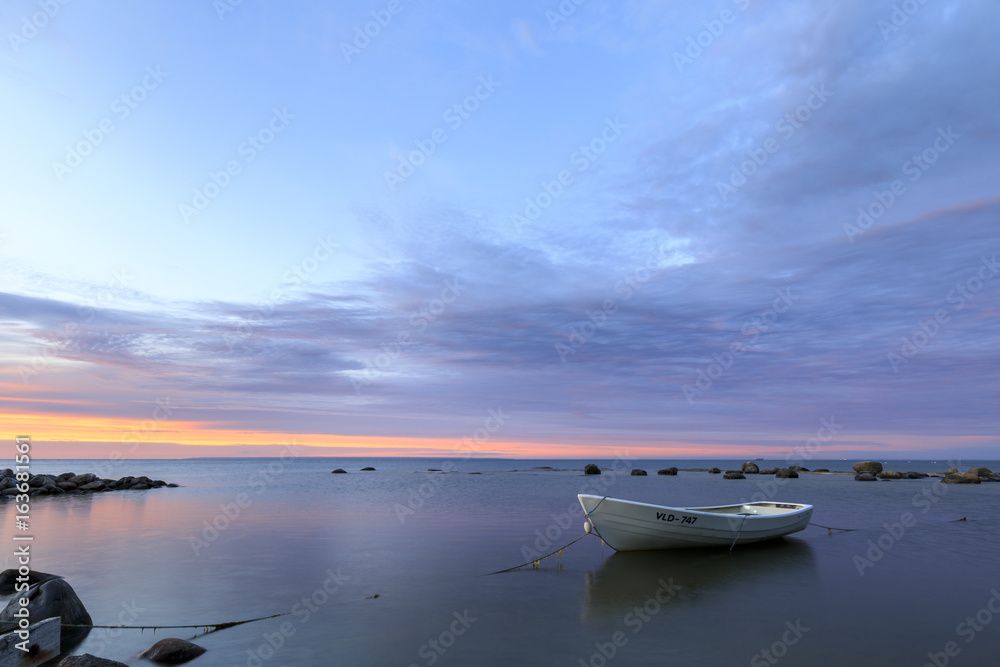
(745, 515)
(536, 561)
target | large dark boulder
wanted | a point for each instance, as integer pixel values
(916, 475)
(591, 469)
(714, 471)
(868, 466)
(53, 597)
(734, 474)
(798, 468)
(980, 472)
(667, 471)
(172, 651)
(865, 477)
(750, 468)
(340, 471)
(786, 473)
(889, 474)
(638, 472)
(8, 581)
(369, 468)
(769, 471)
(87, 660)
(961, 478)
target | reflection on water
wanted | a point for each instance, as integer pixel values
(630, 578)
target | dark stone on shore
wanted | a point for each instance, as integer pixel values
(8, 580)
(172, 651)
(821, 470)
(951, 471)
(638, 472)
(667, 471)
(961, 478)
(368, 468)
(714, 471)
(865, 477)
(339, 471)
(53, 597)
(769, 471)
(591, 469)
(786, 473)
(798, 468)
(981, 472)
(889, 474)
(915, 475)
(734, 474)
(750, 468)
(66, 486)
(87, 660)
(868, 466)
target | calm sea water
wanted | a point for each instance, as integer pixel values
(252, 537)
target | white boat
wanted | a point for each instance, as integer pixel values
(625, 525)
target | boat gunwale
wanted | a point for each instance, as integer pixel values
(799, 507)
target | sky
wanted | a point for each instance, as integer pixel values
(518, 229)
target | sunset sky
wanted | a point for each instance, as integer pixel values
(542, 229)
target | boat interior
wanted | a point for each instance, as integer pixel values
(761, 508)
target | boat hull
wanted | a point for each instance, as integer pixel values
(625, 525)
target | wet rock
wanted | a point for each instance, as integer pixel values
(865, 477)
(368, 468)
(667, 471)
(87, 660)
(798, 468)
(53, 597)
(734, 474)
(750, 468)
(714, 471)
(980, 472)
(340, 471)
(139, 487)
(961, 478)
(821, 470)
(916, 475)
(172, 651)
(591, 469)
(96, 485)
(868, 466)
(85, 478)
(769, 471)
(889, 474)
(638, 472)
(8, 580)
(786, 473)
(951, 471)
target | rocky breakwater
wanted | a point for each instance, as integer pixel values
(71, 483)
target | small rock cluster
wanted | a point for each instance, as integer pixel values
(68, 482)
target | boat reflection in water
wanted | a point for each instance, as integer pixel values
(628, 579)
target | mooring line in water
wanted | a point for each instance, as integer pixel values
(739, 531)
(819, 525)
(537, 560)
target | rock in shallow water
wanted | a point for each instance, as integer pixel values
(591, 469)
(53, 597)
(714, 471)
(889, 474)
(667, 471)
(961, 478)
(786, 473)
(734, 474)
(339, 471)
(172, 651)
(638, 472)
(867, 466)
(750, 468)
(865, 477)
